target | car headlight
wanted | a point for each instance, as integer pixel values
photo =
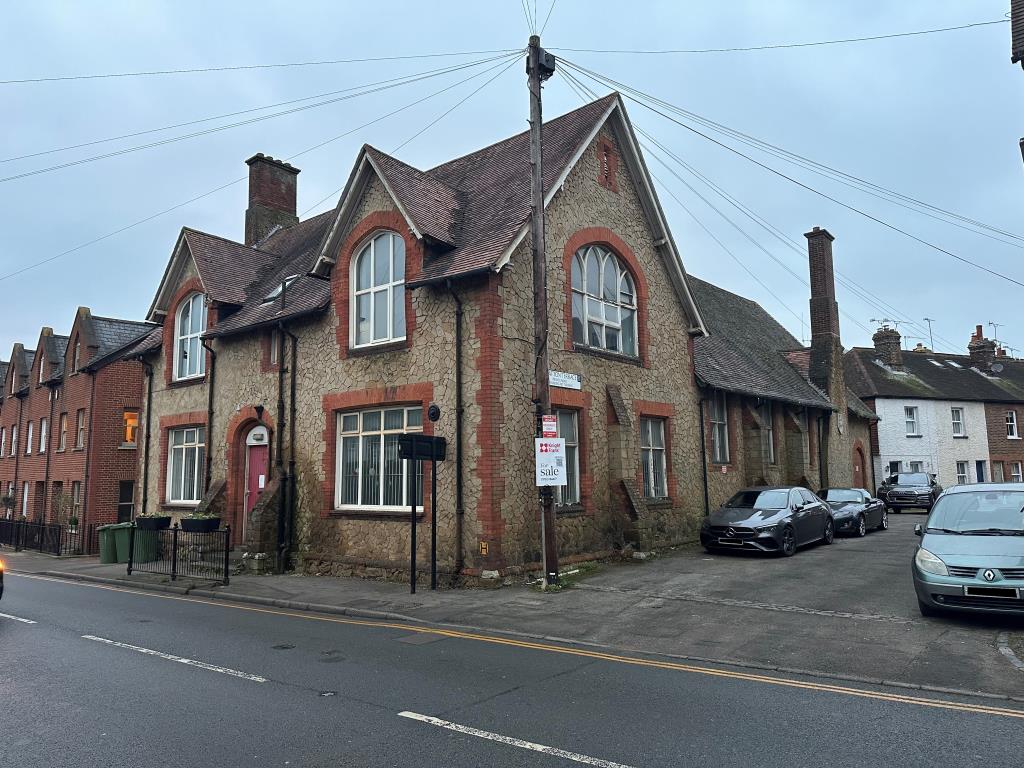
(765, 528)
(705, 523)
(929, 563)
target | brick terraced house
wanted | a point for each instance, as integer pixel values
(955, 416)
(69, 423)
(286, 367)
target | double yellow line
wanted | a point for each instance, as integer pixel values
(896, 698)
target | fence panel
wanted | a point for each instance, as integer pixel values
(174, 552)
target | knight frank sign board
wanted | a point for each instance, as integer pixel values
(550, 460)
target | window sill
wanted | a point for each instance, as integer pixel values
(128, 446)
(373, 349)
(369, 513)
(657, 503)
(569, 510)
(1013, 437)
(960, 437)
(914, 437)
(78, 449)
(604, 354)
(179, 506)
(187, 382)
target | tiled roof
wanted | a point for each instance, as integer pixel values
(112, 334)
(3, 372)
(151, 341)
(746, 349)
(54, 352)
(930, 375)
(227, 268)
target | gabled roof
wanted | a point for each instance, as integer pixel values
(20, 365)
(747, 351)
(3, 374)
(113, 336)
(929, 375)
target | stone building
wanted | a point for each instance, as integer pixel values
(954, 416)
(286, 367)
(69, 423)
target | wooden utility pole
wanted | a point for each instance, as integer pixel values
(540, 65)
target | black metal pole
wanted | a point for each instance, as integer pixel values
(433, 523)
(131, 547)
(174, 552)
(412, 525)
(227, 549)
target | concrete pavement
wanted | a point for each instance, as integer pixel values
(100, 679)
(844, 612)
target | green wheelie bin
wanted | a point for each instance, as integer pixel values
(108, 547)
(146, 545)
(122, 535)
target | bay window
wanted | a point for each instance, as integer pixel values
(368, 472)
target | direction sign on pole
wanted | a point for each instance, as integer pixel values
(550, 461)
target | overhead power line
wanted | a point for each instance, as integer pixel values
(257, 119)
(641, 98)
(239, 67)
(175, 207)
(776, 46)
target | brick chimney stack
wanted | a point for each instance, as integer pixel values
(981, 350)
(887, 346)
(826, 349)
(272, 196)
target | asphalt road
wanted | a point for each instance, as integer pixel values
(108, 677)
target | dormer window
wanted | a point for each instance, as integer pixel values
(280, 288)
(189, 326)
(378, 295)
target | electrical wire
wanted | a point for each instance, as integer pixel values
(631, 95)
(777, 46)
(175, 207)
(260, 118)
(240, 67)
(548, 17)
(850, 180)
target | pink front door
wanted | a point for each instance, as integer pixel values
(257, 464)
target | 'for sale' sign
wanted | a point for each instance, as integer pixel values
(550, 460)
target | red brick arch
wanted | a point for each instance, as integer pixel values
(611, 241)
(340, 278)
(238, 428)
(190, 286)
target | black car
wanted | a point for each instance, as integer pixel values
(855, 510)
(909, 490)
(768, 519)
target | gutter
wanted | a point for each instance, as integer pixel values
(289, 520)
(88, 445)
(208, 469)
(17, 456)
(279, 450)
(459, 409)
(49, 451)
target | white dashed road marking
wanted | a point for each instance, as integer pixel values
(16, 618)
(553, 751)
(179, 659)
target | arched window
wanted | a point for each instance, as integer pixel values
(378, 295)
(603, 302)
(189, 325)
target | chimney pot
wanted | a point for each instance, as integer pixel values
(273, 191)
(981, 350)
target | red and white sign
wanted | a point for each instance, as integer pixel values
(549, 426)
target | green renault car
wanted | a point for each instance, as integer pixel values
(971, 555)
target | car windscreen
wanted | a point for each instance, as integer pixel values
(841, 494)
(773, 499)
(979, 511)
(909, 478)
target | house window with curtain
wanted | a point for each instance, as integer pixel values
(604, 303)
(80, 428)
(1011, 425)
(369, 473)
(44, 434)
(652, 457)
(62, 439)
(958, 422)
(1016, 472)
(961, 473)
(910, 417)
(189, 326)
(568, 430)
(378, 295)
(28, 438)
(186, 459)
(719, 429)
(14, 439)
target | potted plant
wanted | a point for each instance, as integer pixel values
(200, 522)
(153, 521)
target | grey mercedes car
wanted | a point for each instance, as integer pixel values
(971, 554)
(769, 520)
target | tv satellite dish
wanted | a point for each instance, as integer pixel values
(996, 367)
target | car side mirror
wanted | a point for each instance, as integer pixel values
(918, 530)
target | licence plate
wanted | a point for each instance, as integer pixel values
(733, 542)
(1008, 593)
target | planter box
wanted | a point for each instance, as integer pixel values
(153, 523)
(200, 524)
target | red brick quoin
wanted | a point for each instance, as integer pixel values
(340, 279)
(607, 238)
(406, 394)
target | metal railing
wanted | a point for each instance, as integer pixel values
(174, 552)
(49, 538)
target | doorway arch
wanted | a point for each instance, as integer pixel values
(860, 477)
(247, 430)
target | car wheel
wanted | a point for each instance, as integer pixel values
(829, 534)
(788, 547)
(926, 610)
(884, 524)
(862, 528)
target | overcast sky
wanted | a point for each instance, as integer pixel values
(936, 117)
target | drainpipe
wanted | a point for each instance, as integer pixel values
(459, 509)
(46, 470)
(88, 447)
(279, 451)
(823, 421)
(149, 420)
(208, 471)
(19, 495)
(289, 520)
(704, 459)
